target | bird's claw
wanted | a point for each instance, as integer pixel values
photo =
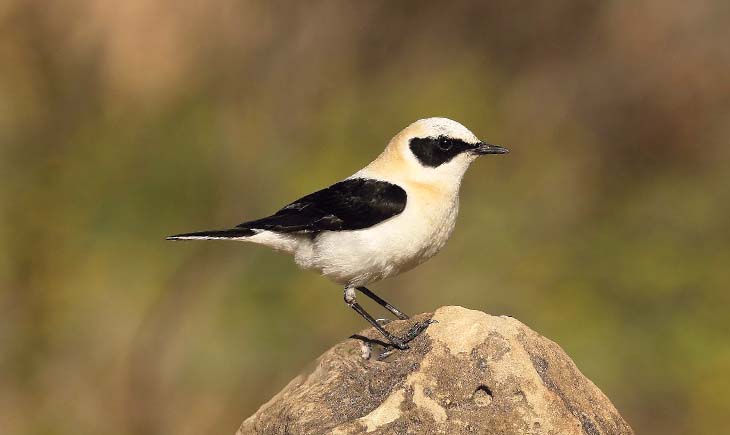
(402, 343)
(417, 329)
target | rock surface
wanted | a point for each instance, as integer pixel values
(470, 373)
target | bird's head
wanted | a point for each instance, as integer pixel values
(433, 150)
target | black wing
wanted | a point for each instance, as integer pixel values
(351, 204)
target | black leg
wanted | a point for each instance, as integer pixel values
(383, 303)
(412, 333)
(400, 343)
(350, 300)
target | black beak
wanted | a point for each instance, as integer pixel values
(485, 148)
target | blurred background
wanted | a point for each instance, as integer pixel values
(606, 229)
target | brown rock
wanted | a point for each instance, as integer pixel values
(471, 373)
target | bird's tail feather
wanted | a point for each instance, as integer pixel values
(233, 233)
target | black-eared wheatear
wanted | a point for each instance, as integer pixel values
(387, 218)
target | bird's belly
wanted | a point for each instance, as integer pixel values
(391, 247)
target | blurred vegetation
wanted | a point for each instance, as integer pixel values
(606, 228)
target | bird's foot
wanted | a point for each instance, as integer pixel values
(401, 343)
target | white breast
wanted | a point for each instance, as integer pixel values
(391, 247)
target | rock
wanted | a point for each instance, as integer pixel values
(470, 373)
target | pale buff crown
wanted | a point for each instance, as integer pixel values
(397, 163)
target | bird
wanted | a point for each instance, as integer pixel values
(387, 218)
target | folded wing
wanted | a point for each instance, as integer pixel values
(351, 204)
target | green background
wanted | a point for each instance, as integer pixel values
(606, 229)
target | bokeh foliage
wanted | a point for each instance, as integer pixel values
(606, 228)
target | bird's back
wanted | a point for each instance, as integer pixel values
(393, 246)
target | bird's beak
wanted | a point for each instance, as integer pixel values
(485, 148)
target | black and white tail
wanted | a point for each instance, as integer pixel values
(233, 233)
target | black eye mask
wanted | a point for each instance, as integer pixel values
(435, 151)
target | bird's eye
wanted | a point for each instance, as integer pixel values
(444, 144)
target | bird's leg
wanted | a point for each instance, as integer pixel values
(383, 303)
(351, 301)
(412, 333)
(396, 342)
